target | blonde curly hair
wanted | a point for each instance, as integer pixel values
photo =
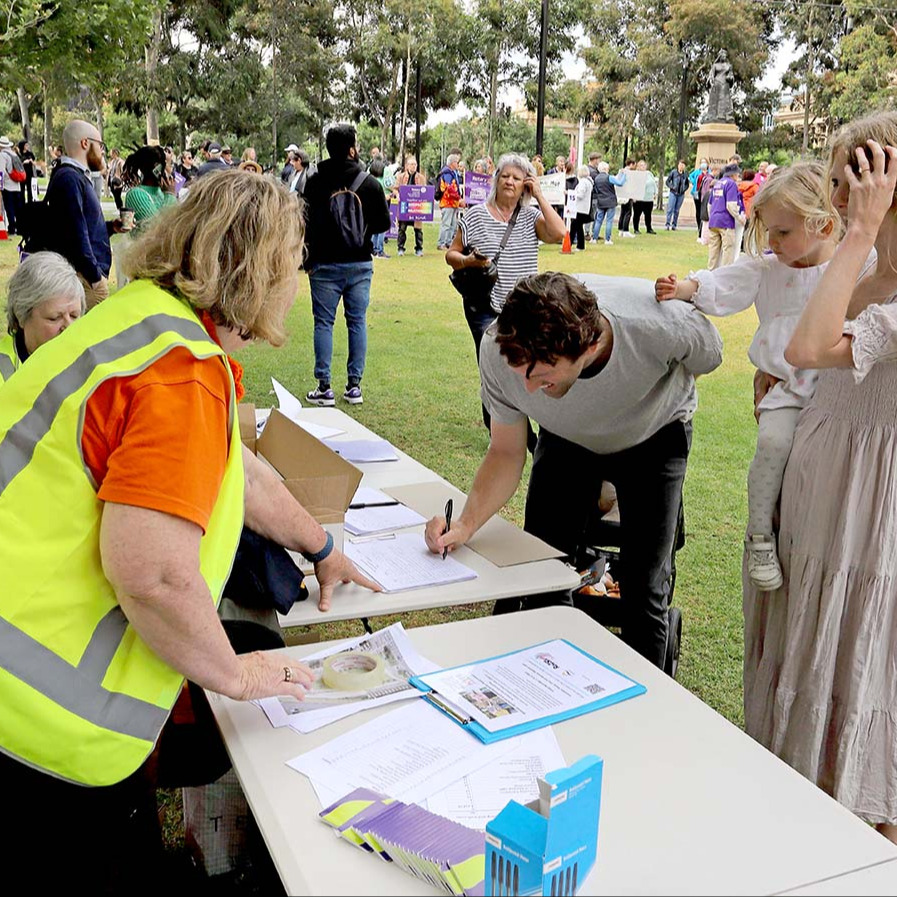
(234, 247)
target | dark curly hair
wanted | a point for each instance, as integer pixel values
(547, 317)
(144, 166)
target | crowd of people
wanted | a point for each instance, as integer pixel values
(126, 403)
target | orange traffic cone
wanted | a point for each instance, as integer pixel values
(566, 248)
(3, 232)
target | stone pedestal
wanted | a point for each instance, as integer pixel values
(716, 142)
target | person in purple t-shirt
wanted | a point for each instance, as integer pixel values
(725, 211)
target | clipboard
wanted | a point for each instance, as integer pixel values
(477, 729)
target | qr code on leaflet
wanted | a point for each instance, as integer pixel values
(595, 689)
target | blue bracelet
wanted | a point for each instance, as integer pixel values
(321, 555)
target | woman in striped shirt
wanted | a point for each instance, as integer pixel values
(514, 186)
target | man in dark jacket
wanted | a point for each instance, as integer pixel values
(78, 230)
(678, 182)
(337, 270)
(215, 163)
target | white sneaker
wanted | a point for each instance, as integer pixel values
(608, 242)
(625, 233)
(764, 570)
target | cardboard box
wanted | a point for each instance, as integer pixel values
(246, 419)
(547, 846)
(320, 480)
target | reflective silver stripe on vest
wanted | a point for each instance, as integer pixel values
(20, 441)
(79, 689)
(6, 367)
(75, 689)
(103, 644)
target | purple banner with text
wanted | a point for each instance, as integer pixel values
(416, 203)
(476, 188)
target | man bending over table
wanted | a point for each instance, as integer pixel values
(609, 375)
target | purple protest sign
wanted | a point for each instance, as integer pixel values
(179, 181)
(393, 219)
(476, 188)
(416, 203)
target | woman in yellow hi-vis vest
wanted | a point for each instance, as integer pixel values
(123, 490)
(43, 298)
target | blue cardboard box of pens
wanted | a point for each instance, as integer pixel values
(547, 846)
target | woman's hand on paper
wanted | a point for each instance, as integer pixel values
(334, 569)
(438, 539)
(263, 675)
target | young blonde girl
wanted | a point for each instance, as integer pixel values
(792, 235)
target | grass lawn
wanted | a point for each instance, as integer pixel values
(422, 393)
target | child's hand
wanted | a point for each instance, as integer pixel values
(665, 288)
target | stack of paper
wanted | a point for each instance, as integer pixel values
(373, 511)
(406, 563)
(430, 848)
(291, 407)
(363, 451)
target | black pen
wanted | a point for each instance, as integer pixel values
(373, 504)
(449, 506)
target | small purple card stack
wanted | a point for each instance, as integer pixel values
(447, 855)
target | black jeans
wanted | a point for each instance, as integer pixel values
(697, 201)
(418, 236)
(577, 232)
(12, 204)
(563, 496)
(643, 207)
(625, 217)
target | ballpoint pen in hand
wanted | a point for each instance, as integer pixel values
(449, 506)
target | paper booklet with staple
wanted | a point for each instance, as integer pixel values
(364, 672)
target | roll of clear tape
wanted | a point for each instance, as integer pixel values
(353, 671)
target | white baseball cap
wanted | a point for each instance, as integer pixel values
(292, 148)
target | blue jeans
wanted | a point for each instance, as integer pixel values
(350, 281)
(377, 242)
(607, 216)
(447, 226)
(674, 203)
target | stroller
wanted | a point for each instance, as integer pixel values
(599, 551)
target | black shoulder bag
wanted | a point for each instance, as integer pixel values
(476, 282)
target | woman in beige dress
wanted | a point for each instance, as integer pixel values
(820, 668)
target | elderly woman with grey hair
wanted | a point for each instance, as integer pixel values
(45, 296)
(515, 204)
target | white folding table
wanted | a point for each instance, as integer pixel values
(351, 602)
(690, 804)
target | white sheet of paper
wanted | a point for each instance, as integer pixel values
(406, 563)
(409, 754)
(480, 796)
(527, 685)
(363, 451)
(367, 521)
(291, 407)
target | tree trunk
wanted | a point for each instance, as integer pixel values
(48, 124)
(683, 105)
(98, 107)
(407, 72)
(493, 101)
(810, 63)
(24, 104)
(152, 63)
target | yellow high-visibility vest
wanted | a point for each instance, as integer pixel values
(9, 358)
(82, 696)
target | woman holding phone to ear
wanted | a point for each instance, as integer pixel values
(478, 239)
(820, 652)
(150, 187)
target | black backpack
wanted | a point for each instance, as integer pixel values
(34, 221)
(348, 214)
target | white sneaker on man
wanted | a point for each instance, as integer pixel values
(764, 570)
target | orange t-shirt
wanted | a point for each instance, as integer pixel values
(159, 439)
